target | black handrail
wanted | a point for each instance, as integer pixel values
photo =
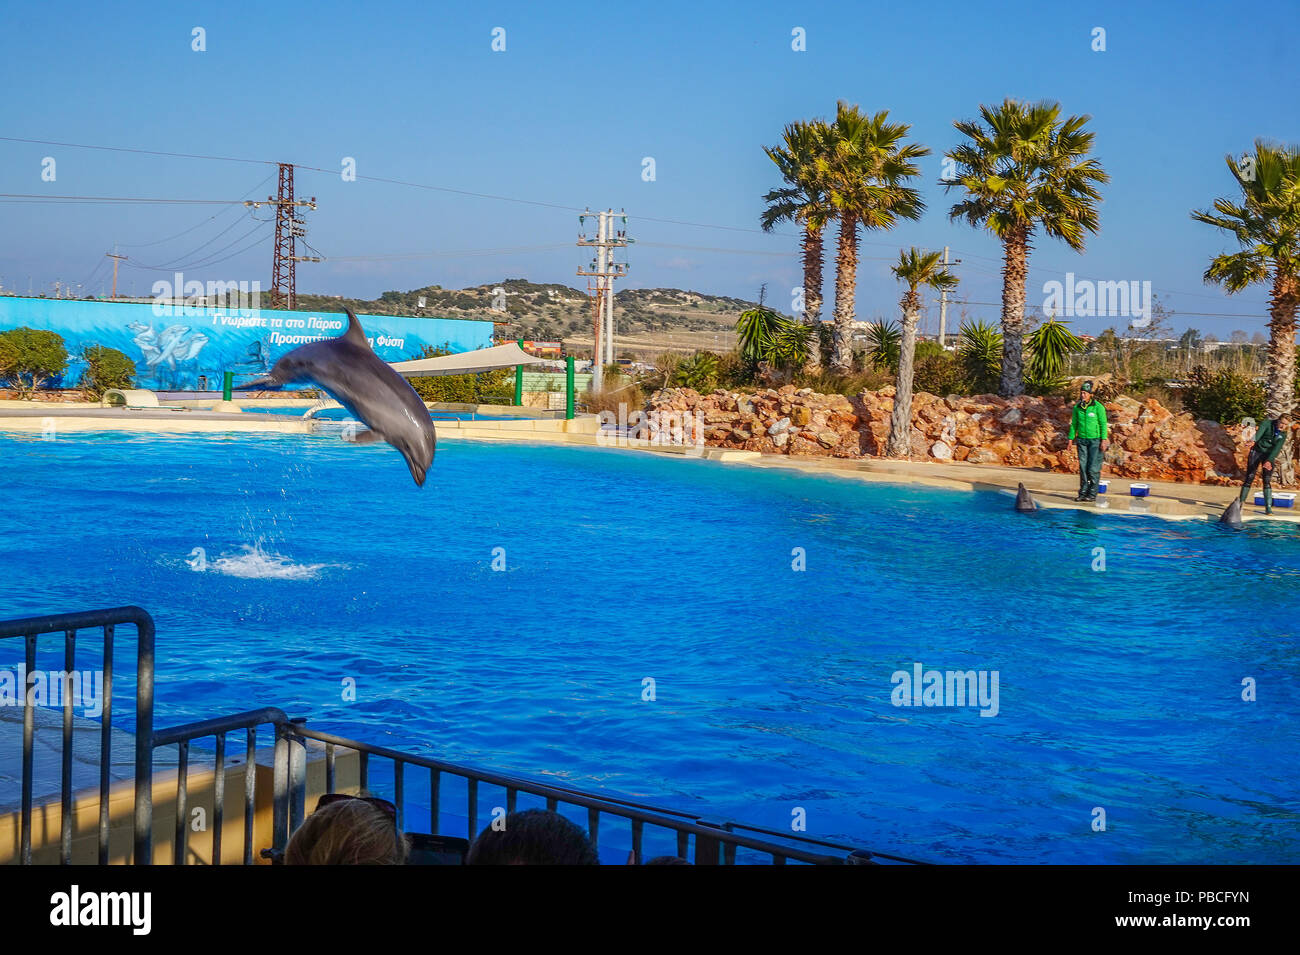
(31, 629)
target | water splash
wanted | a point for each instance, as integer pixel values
(256, 562)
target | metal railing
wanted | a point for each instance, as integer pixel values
(30, 630)
(713, 840)
(182, 736)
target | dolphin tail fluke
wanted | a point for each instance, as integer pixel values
(1232, 514)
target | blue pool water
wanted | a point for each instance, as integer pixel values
(1119, 689)
(339, 414)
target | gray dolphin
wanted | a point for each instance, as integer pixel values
(1232, 515)
(360, 381)
(1023, 501)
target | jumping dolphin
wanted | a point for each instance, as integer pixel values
(1023, 501)
(1232, 515)
(360, 381)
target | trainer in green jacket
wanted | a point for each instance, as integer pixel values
(1089, 433)
(1268, 442)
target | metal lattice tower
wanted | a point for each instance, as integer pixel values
(284, 273)
(288, 227)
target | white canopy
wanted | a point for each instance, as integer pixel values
(468, 362)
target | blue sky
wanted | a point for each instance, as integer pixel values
(566, 114)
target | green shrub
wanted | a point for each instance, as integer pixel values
(938, 374)
(827, 382)
(29, 357)
(699, 371)
(105, 368)
(1223, 396)
(927, 350)
(884, 344)
(735, 370)
(1050, 345)
(979, 352)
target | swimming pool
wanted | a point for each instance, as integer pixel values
(1119, 689)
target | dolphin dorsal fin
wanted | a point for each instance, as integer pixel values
(355, 333)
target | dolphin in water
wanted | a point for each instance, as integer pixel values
(1232, 514)
(354, 376)
(1023, 501)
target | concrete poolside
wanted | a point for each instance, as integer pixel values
(496, 423)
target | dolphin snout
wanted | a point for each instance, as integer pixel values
(419, 465)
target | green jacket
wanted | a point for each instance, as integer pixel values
(1268, 440)
(1089, 422)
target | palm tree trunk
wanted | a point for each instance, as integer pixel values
(900, 423)
(1015, 271)
(813, 256)
(846, 279)
(1284, 304)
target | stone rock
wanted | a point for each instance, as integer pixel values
(1148, 441)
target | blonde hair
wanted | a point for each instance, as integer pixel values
(348, 832)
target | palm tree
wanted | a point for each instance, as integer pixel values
(866, 168)
(1266, 224)
(1022, 169)
(917, 269)
(803, 200)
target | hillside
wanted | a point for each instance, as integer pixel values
(647, 321)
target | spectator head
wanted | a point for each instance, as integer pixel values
(533, 837)
(348, 831)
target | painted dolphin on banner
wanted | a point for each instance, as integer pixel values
(348, 369)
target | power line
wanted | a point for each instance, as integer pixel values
(207, 260)
(383, 257)
(145, 245)
(1175, 312)
(126, 149)
(172, 263)
(32, 197)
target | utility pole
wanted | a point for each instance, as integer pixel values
(116, 259)
(604, 270)
(288, 227)
(943, 303)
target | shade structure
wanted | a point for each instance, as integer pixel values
(465, 363)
